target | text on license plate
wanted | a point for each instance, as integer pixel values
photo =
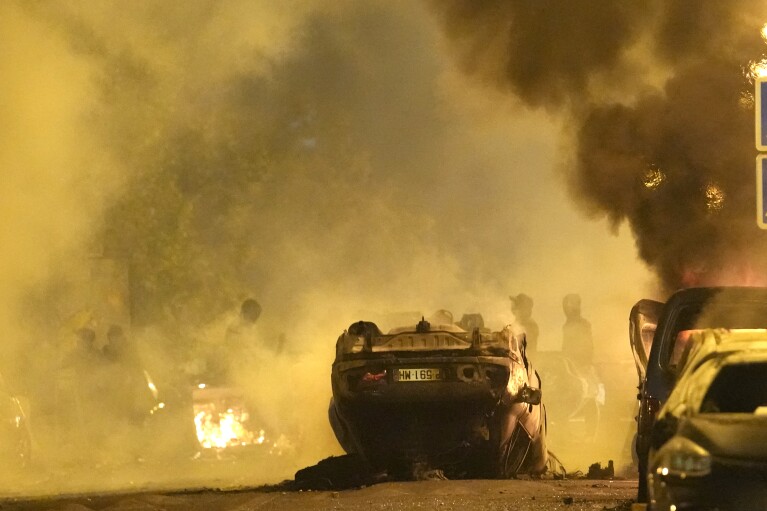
(419, 374)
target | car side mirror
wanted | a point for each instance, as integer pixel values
(530, 395)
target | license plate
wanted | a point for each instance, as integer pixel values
(419, 375)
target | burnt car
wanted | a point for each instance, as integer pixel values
(227, 421)
(464, 402)
(659, 334)
(709, 443)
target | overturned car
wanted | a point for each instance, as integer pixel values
(467, 402)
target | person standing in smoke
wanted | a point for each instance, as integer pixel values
(578, 346)
(79, 395)
(127, 399)
(244, 350)
(577, 341)
(522, 308)
(244, 328)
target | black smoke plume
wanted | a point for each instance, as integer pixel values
(660, 108)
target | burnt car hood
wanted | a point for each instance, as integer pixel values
(740, 436)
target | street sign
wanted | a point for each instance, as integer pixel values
(760, 100)
(761, 191)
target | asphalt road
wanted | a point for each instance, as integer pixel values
(479, 495)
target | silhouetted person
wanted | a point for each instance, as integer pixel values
(522, 308)
(244, 350)
(128, 395)
(577, 341)
(578, 346)
(117, 346)
(243, 329)
(86, 338)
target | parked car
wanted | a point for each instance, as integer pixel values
(669, 325)
(464, 402)
(709, 443)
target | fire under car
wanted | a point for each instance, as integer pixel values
(467, 403)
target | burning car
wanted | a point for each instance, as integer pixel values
(224, 419)
(464, 402)
(659, 334)
(709, 443)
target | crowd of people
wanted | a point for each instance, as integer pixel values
(97, 392)
(102, 386)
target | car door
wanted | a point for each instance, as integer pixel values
(643, 321)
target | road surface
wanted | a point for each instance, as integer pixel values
(479, 495)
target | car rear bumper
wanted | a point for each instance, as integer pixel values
(376, 381)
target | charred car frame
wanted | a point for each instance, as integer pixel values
(465, 402)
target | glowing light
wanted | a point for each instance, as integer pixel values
(517, 379)
(221, 430)
(715, 197)
(161, 405)
(201, 386)
(746, 100)
(664, 471)
(757, 69)
(653, 177)
(764, 32)
(150, 384)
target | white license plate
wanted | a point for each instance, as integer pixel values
(420, 375)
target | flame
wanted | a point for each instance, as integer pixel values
(220, 430)
(653, 177)
(150, 384)
(517, 379)
(746, 100)
(222, 421)
(715, 197)
(738, 271)
(758, 68)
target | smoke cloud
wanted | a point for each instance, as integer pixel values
(660, 113)
(164, 161)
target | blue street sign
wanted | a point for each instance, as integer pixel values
(761, 191)
(760, 100)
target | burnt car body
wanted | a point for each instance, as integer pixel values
(709, 443)
(468, 403)
(686, 309)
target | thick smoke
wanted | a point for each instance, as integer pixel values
(166, 160)
(659, 103)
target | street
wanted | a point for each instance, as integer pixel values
(479, 495)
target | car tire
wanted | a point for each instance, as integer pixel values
(642, 492)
